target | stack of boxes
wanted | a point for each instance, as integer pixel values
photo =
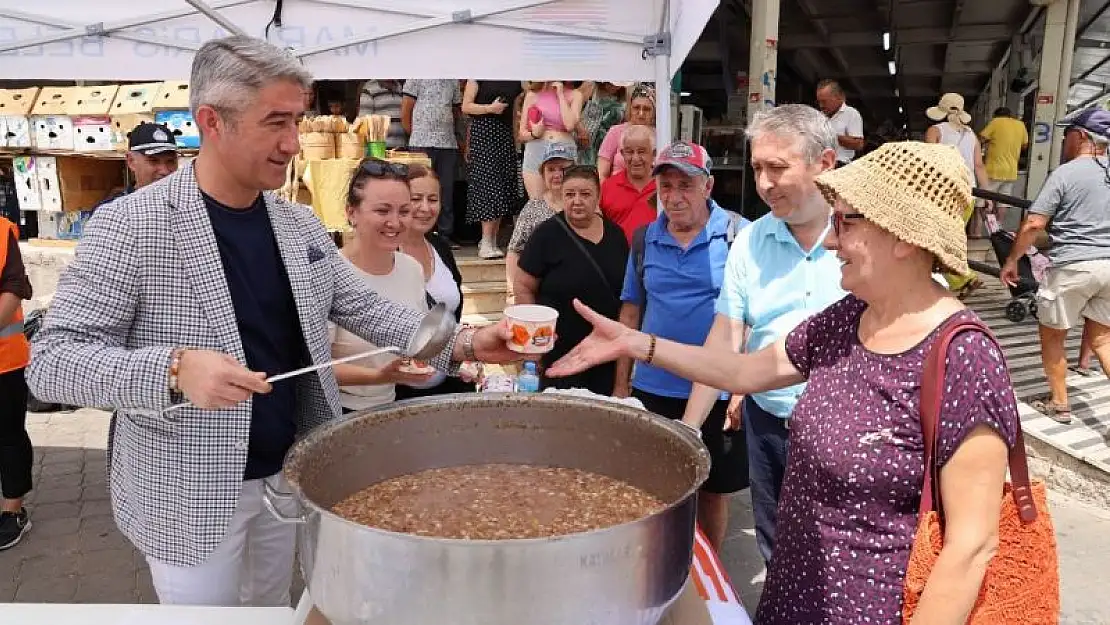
(134, 105)
(172, 109)
(59, 124)
(51, 124)
(15, 117)
(92, 127)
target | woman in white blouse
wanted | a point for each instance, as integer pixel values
(378, 208)
(441, 278)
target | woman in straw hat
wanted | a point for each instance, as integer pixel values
(853, 483)
(952, 129)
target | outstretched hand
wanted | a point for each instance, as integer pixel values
(609, 341)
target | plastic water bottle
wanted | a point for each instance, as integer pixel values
(528, 381)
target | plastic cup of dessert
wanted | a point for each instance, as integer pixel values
(533, 328)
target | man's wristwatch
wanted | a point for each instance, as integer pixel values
(468, 344)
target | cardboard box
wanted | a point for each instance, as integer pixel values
(74, 183)
(52, 127)
(174, 95)
(134, 104)
(92, 127)
(15, 121)
(688, 609)
(122, 125)
(26, 183)
(182, 126)
(92, 133)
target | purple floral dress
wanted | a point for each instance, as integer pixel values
(848, 510)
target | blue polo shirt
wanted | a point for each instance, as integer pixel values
(682, 286)
(772, 284)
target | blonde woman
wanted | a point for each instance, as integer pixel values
(952, 129)
(640, 112)
(378, 208)
(550, 113)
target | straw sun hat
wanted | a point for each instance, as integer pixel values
(916, 191)
(949, 103)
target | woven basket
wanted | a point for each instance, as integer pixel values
(317, 145)
(349, 145)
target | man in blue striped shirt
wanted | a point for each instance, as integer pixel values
(778, 273)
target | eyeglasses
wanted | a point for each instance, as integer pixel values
(379, 168)
(838, 220)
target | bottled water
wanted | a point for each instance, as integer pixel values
(528, 381)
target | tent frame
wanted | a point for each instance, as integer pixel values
(656, 46)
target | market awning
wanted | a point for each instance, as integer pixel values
(353, 39)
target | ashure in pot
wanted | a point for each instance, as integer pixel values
(622, 575)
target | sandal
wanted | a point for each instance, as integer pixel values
(1052, 410)
(1087, 372)
(974, 285)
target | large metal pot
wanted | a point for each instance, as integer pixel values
(622, 575)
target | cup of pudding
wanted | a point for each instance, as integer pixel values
(532, 327)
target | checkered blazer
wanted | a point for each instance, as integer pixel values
(147, 278)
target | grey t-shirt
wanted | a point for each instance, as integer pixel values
(1076, 198)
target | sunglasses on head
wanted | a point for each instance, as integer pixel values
(378, 169)
(838, 220)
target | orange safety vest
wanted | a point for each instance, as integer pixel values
(15, 351)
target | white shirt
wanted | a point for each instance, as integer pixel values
(442, 288)
(403, 285)
(846, 122)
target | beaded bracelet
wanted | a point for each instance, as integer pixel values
(651, 349)
(175, 368)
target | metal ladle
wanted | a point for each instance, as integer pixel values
(431, 336)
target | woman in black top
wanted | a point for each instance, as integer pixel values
(577, 254)
(493, 172)
(442, 279)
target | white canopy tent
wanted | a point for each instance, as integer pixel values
(604, 40)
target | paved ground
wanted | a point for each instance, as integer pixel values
(1087, 438)
(75, 554)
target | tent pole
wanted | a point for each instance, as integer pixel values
(659, 47)
(215, 16)
(112, 29)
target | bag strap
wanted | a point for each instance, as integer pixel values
(932, 392)
(586, 253)
(639, 238)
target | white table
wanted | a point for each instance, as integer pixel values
(123, 614)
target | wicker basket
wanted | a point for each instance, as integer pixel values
(349, 145)
(317, 145)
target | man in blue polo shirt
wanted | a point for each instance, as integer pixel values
(778, 274)
(673, 278)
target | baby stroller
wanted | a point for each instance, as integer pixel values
(1031, 266)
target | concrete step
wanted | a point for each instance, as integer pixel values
(479, 270)
(484, 297)
(480, 320)
(981, 250)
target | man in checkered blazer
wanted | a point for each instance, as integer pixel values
(196, 288)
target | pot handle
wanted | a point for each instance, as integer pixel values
(270, 495)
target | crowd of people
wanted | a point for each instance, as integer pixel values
(795, 343)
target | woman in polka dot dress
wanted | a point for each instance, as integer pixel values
(493, 173)
(848, 510)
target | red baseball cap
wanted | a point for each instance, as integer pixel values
(688, 157)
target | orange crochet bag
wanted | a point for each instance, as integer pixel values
(1022, 583)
